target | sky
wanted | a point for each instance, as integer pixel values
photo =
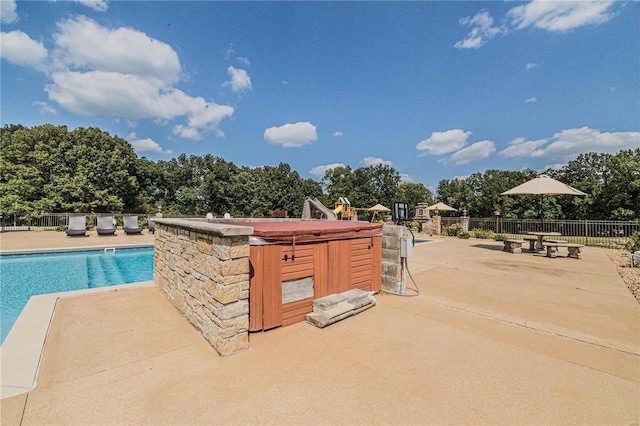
(438, 90)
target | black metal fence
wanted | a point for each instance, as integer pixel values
(601, 233)
(52, 221)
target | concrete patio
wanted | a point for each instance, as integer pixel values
(494, 338)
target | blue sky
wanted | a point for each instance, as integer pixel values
(436, 89)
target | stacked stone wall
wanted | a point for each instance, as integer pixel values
(391, 263)
(203, 270)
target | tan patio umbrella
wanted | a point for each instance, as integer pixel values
(440, 206)
(377, 208)
(543, 185)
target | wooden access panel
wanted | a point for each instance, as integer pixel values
(256, 283)
(265, 288)
(338, 263)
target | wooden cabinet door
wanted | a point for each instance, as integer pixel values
(339, 266)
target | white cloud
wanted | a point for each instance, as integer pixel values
(82, 44)
(239, 81)
(8, 14)
(532, 99)
(556, 166)
(374, 161)
(20, 49)
(443, 142)
(45, 108)
(319, 171)
(521, 148)
(187, 132)
(482, 30)
(405, 178)
(291, 135)
(124, 73)
(131, 96)
(146, 145)
(559, 16)
(97, 5)
(553, 16)
(461, 177)
(567, 144)
(474, 152)
(337, 133)
(530, 66)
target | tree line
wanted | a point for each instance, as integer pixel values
(611, 182)
(49, 169)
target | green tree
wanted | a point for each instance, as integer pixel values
(413, 193)
(49, 169)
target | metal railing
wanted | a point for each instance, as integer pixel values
(600, 233)
(52, 221)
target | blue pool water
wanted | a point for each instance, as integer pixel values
(421, 241)
(23, 276)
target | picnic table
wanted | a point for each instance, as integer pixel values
(541, 235)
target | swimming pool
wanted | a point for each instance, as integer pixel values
(23, 276)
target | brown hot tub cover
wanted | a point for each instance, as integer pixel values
(311, 231)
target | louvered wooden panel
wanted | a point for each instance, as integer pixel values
(339, 274)
(361, 264)
(256, 282)
(376, 266)
(320, 270)
(299, 266)
(272, 287)
(296, 311)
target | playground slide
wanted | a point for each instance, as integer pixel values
(315, 203)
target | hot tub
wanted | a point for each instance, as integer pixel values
(294, 262)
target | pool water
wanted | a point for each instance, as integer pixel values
(421, 241)
(23, 276)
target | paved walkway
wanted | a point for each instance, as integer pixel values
(494, 338)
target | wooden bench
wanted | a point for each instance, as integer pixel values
(513, 246)
(575, 250)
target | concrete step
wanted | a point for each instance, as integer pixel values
(338, 306)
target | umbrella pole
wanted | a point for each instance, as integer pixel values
(541, 205)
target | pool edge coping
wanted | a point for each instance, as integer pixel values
(72, 249)
(22, 349)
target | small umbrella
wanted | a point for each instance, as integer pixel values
(440, 206)
(543, 185)
(377, 208)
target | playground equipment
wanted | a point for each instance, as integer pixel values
(344, 209)
(316, 204)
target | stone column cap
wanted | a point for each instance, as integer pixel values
(217, 229)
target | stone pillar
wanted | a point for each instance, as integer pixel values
(203, 270)
(464, 221)
(437, 225)
(391, 266)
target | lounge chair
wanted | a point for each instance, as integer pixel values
(152, 225)
(131, 225)
(105, 225)
(77, 226)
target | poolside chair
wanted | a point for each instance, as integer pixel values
(152, 225)
(77, 226)
(105, 225)
(131, 225)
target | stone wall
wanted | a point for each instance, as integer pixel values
(391, 264)
(203, 270)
